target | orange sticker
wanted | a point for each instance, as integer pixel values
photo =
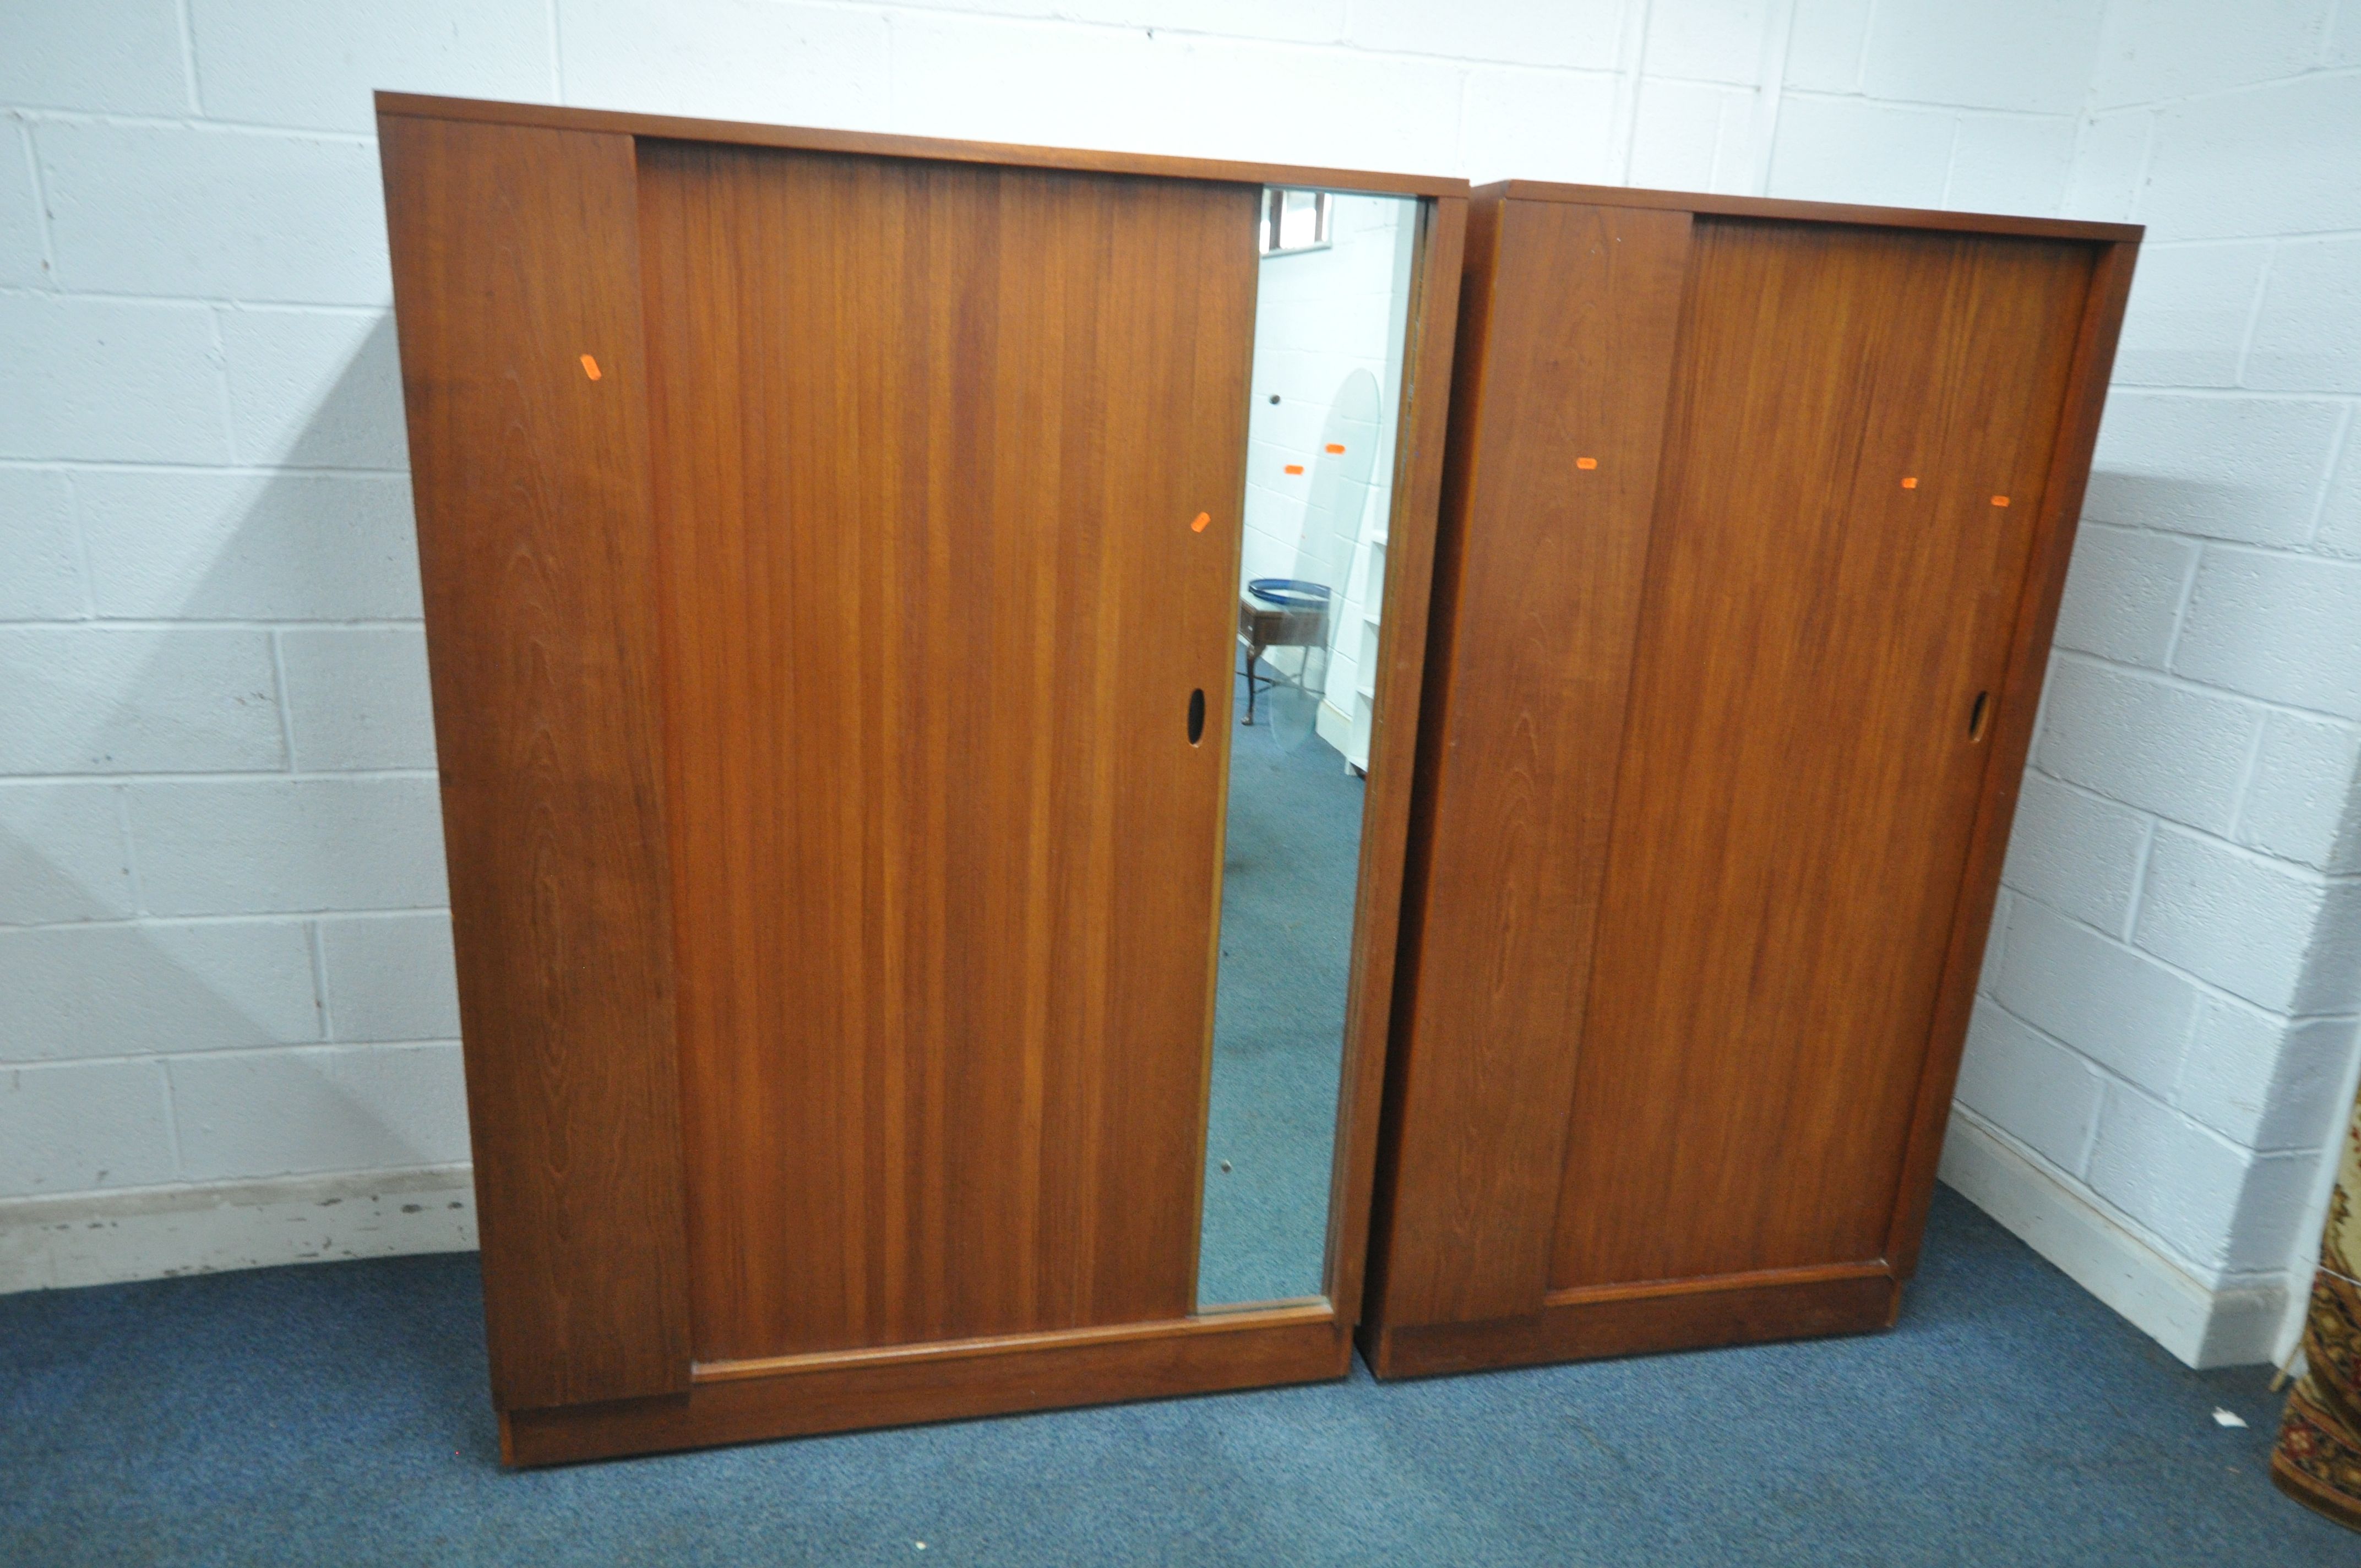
(1586, 462)
(2000, 500)
(1910, 484)
(590, 367)
(1198, 524)
(1335, 447)
(1295, 468)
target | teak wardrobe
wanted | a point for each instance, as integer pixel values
(831, 546)
(1755, 518)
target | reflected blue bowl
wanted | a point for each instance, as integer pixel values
(1289, 593)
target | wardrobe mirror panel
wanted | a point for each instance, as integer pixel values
(1331, 308)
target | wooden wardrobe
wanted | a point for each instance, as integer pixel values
(1755, 518)
(830, 548)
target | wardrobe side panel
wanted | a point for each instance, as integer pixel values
(1548, 540)
(516, 289)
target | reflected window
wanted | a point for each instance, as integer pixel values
(1295, 219)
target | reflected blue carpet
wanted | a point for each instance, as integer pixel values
(1290, 865)
(334, 1413)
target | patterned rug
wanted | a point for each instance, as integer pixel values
(2318, 1460)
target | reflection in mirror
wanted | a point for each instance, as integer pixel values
(1329, 329)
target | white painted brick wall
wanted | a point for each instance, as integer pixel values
(222, 943)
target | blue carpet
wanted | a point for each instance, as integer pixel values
(1291, 862)
(336, 1413)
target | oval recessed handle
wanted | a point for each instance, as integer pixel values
(1978, 714)
(1196, 716)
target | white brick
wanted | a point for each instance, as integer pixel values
(99, 380)
(302, 62)
(1306, 21)
(2118, 1008)
(1541, 125)
(730, 59)
(2124, 593)
(61, 854)
(2109, 176)
(117, 56)
(315, 388)
(104, 991)
(71, 1126)
(42, 580)
(2187, 320)
(2008, 164)
(2262, 1084)
(230, 215)
(1824, 45)
(267, 846)
(1831, 149)
(2242, 468)
(2032, 58)
(1172, 93)
(2146, 742)
(325, 1108)
(356, 697)
(2041, 1094)
(2171, 49)
(2282, 938)
(1706, 40)
(1525, 32)
(2075, 852)
(2214, 1204)
(390, 977)
(1693, 136)
(279, 546)
(2308, 338)
(88, 699)
(2283, 627)
(1995, 945)
(23, 260)
(2304, 800)
(2273, 159)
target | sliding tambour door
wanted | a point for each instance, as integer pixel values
(1860, 431)
(1758, 516)
(939, 642)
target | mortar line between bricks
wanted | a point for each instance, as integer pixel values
(2189, 683)
(268, 1047)
(187, 470)
(243, 775)
(2210, 989)
(149, 624)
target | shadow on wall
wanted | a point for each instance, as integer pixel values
(266, 713)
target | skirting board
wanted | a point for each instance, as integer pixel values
(2203, 1327)
(102, 1238)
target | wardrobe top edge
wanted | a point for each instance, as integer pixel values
(1810, 211)
(671, 127)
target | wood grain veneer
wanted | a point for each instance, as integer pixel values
(1709, 823)
(814, 612)
(514, 256)
(930, 438)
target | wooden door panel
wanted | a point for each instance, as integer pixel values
(1548, 538)
(1798, 780)
(929, 438)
